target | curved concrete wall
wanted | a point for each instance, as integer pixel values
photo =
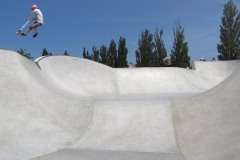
(85, 77)
(207, 125)
(78, 76)
(60, 104)
(35, 120)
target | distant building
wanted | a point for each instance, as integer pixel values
(132, 65)
(168, 62)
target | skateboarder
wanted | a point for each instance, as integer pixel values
(39, 20)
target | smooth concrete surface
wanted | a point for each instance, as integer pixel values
(208, 125)
(69, 108)
(131, 126)
(75, 154)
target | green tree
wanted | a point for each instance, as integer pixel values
(229, 46)
(24, 53)
(95, 55)
(160, 50)
(45, 52)
(86, 55)
(145, 54)
(112, 54)
(122, 53)
(179, 52)
(103, 54)
(66, 53)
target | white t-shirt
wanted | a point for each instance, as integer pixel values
(39, 15)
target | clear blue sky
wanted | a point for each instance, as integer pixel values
(74, 24)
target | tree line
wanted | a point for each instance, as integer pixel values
(151, 51)
(112, 56)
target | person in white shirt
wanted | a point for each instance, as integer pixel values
(39, 20)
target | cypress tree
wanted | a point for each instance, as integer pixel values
(144, 55)
(229, 46)
(122, 53)
(66, 53)
(112, 54)
(45, 52)
(103, 54)
(179, 52)
(160, 50)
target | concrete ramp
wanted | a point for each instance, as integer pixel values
(78, 76)
(139, 126)
(34, 119)
(87, 78)
(208, 125)
(70, 108)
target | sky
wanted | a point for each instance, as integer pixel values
(74, 24)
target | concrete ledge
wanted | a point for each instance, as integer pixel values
(77, 154)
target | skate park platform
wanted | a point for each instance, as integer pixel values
(68, 108)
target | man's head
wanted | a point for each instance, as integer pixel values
(34, 6)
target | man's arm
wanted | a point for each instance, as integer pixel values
(30, 17)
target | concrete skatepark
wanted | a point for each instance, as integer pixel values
(68, 108)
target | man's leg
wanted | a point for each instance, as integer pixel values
(37, 24)
(35, 32)
(32, 27)
(28, 31)
(25, 34)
